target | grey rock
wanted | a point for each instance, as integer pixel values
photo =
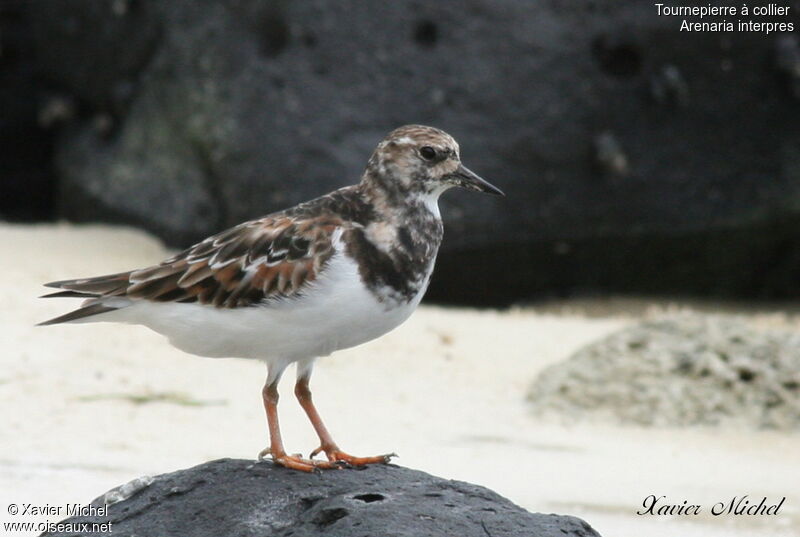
(663, 160)
(239, 498)
(688, 370)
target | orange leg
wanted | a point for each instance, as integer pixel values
(279, 455)
(327, 444)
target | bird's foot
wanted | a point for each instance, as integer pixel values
(297, 462)
(335, 455)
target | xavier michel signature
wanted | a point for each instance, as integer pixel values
(738, 506)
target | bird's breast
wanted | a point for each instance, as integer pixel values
(395, 259)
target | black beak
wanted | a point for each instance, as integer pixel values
(466, 178)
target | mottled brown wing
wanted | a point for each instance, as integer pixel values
(275, 257)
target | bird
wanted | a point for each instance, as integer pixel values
(299, 284)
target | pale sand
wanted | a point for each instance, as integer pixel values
(446, 391)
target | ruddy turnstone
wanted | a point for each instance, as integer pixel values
(328, 274)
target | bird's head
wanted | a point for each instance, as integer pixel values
(424, 160)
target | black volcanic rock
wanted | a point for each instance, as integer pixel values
(238, 498)
(636, 157)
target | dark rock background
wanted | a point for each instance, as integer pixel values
(248, 499)
(636, 158)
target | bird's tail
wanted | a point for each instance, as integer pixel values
(103, 294)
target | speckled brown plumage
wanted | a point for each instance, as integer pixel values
(325, 275)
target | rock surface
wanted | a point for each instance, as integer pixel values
(690, 370)
(243, 499)
(635, 157)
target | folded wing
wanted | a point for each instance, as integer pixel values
(273, 258)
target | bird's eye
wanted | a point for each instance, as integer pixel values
(427, 152)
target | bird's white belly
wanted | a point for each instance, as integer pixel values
(337, 312)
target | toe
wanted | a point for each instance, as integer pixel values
(304, 465)
(361, 461)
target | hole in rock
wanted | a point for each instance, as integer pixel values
(369, 498)
(426, 34)
(274, 34)
(617, 58)
(746, 375)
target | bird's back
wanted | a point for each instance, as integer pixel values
(328, 265)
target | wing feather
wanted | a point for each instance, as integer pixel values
(272, 258)
(275, 257)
